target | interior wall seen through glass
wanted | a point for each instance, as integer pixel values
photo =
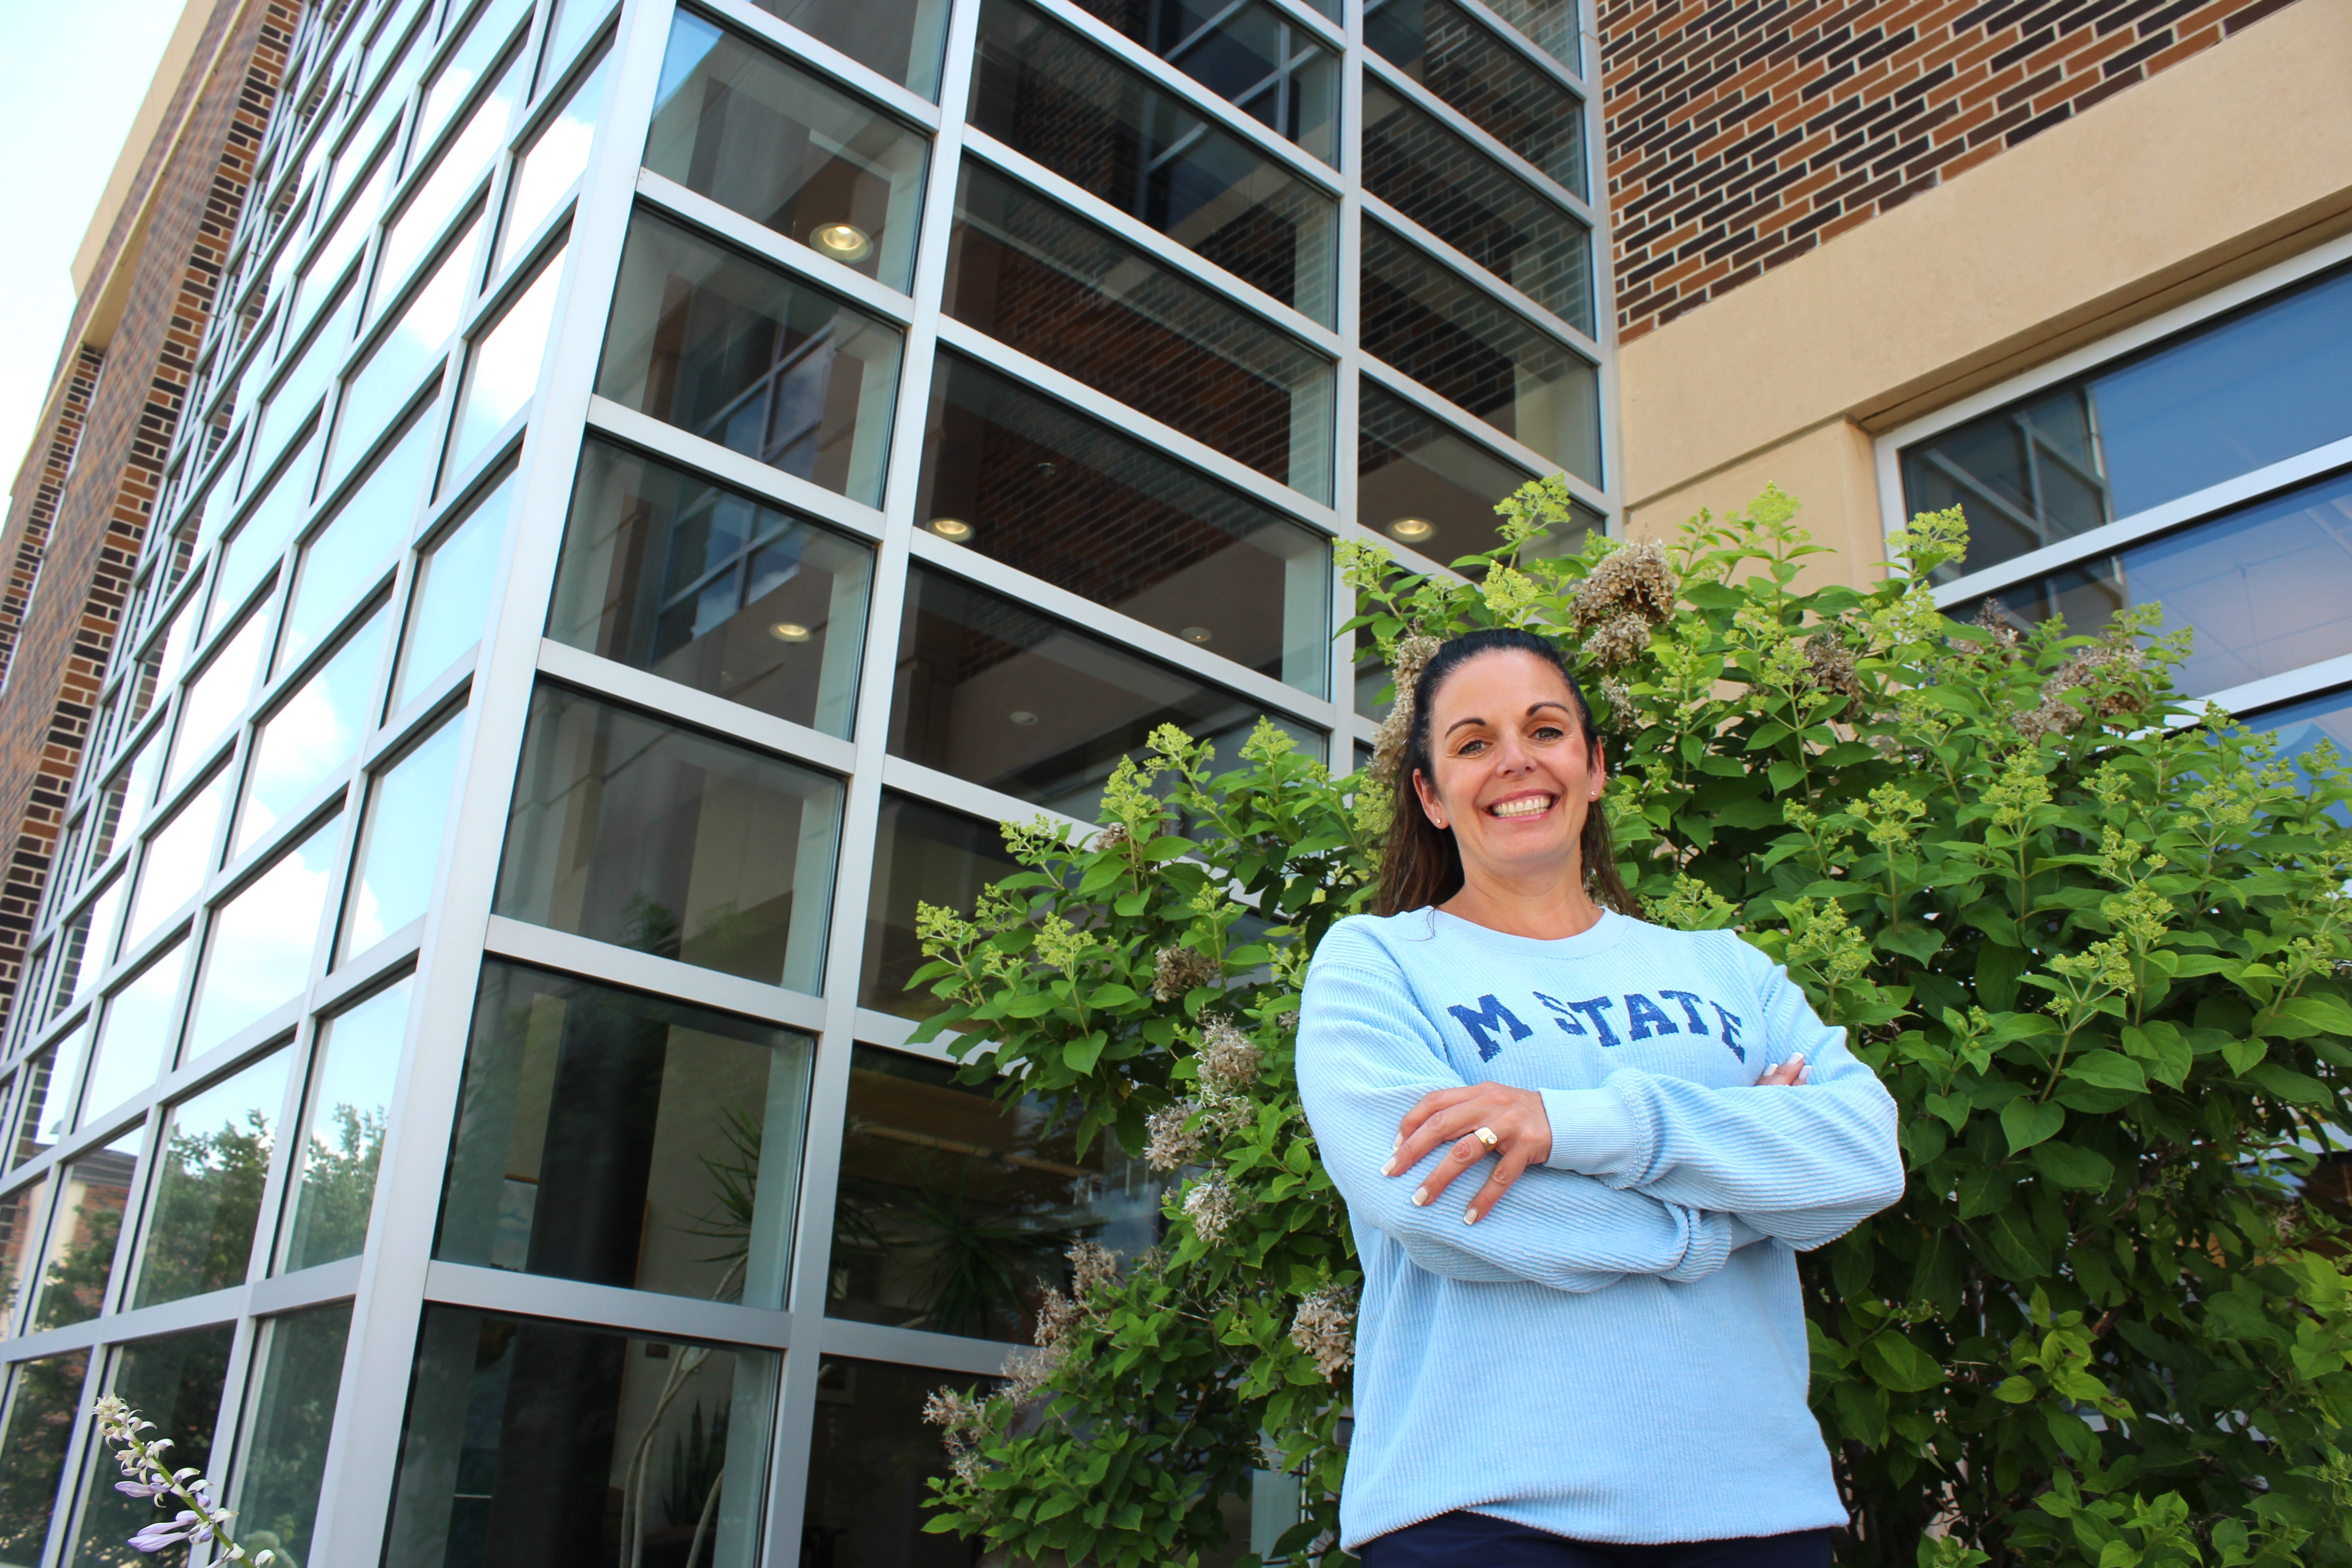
(871, 1456)
(1250, 55)
(902, 39)
(1488, 79)
(923, 854)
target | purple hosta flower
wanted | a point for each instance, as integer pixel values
(143, 1488)
(182, 1526)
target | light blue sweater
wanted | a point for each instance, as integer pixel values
(1617, 1352)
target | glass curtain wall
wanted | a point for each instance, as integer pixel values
(661, 487)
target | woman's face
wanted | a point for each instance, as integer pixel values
(1512, 780)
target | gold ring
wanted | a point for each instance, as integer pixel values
(1487, 1135)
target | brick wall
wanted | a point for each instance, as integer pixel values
(54, 458)
(1741, 134)
(92, 527)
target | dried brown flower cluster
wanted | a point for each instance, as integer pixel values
(1169, 1144)
(961, 1419)
(1631, 590)
(1115, 837)
(1618, 698)
(1092, 1265)
(1829, 667)
(1412, 656)
(1209, 1207)
(2104, 673)
(1177, 970)
(1325, 1329)
(1229, 1059)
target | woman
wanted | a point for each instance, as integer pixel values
(1599, 1358)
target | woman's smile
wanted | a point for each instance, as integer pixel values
(1522, 806)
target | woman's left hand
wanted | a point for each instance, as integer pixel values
(1516, 1118)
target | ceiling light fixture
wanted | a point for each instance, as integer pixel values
(1196, 634)
(1411, 530)
(1023, 716)
(842, 241)
(789, 631)
(954, 529)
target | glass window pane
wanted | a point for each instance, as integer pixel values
(354, 553)
(312, 735)
(665, 1139)
(899, 39)
(1026, 480)
(572, 20)
(2302, 726)
(177, 858)
(215, 699)
(1475, 204)
(547, 168)
(714, 590)
(451, 596)
(632, 832)
(216, 1159)
(1487, 359)
(1248, 53)
(298, 394)
(1549, 25)
(399, 850)
(923, 854)
(261, 537)
(956, 1208)
(991, 692)
(788, 151)
(86, 945)
(1036, 276)
(342, 1146)
(2025, 476)
(761, 364)
(351, 232)
(22, 1215)
(44, 1408)
(388, 382)
(512, 1421)
(47, 1113)
(175, 1382)
(134, 1041)
(870, 1456)
(258, 956)
(1494, 86)
(452, 181)
(122, 810)
(502, 371)
(298, 1373)
(1428, 487)
(472, 60)
(78, 1260)
(1042, 90)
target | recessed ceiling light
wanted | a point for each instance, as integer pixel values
(789, 631)
(1023, 716)
(954, 529)
(1196, 634)
(842, 241)
(1411, 530)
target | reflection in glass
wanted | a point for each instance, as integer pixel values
(44, 1409)
(707, 587)
(871, 1455)
(93, 1190)
(178, 856)
(213, 698)
(1477, 205)
(761, 364)
(1495, 86)
(2221, 400)
(899, 39)
(450, 603)
(466, 66)
(1549, 25)
(1248, 53)
(1036, 276)
(502, 370)
(349, 1104)
(216, 1161)
(1433, 491)
(121, 811)
(258, 956)
(1074, 502)
(788, 151)
(547, 168)
(422, 221)
(956, 1208)
(260, 538)
(923, 854)
(1491, 362)
(629, 831)
(22, 1213)
(352, 553)
(625, 1140)
(2263, 588)
(175, 1382)
(84, 947)
(992, 692)
(314, 734)
(1041, 89)
(512, 1421)
(2300, 727)
(400, 843)
(388, 382)
(298, 1373)
(572, 20)
(134, 1042)
(298, 394)
(47, 1113)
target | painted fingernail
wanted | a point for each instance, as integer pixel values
(1469, 1216)
(1388, 1169)
(1420, 1196)
(1398, 1145)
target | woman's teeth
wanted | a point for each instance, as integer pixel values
(1527, 806)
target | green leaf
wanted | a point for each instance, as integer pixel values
(1997, 968)
(2014, 1390)
(1895, 1362)
(1914, 940)
(2285, 1083)
(1985, 1190)
(2241, 1055)
(1111, 994)
(1031, 1004)
(2068, 1166)
(2028, 1123)
(2319, 1015)
(1080, 1055)
(2108, 1069)
(2164, 1049)
(1785, 776)
(1953, 1111)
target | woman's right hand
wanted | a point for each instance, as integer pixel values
(1787, 1075)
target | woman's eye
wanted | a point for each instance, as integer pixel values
(1550, 733)
(1470, 748)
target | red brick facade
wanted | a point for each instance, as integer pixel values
(82, 535)
(1741, 134)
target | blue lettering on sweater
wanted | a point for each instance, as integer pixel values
(1490, 1014)
(1593, 1010)
(1730, 1030)
(1647, 1017)
(1691, 1015)
(1561, 1015)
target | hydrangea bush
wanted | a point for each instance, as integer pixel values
(2093, 939)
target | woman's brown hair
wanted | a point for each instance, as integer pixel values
(1423, 865)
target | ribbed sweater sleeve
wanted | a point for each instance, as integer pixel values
(1367, 1055)
(1805, 1164)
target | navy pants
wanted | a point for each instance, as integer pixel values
(1464, 1540)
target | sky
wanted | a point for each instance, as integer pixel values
(52, 97)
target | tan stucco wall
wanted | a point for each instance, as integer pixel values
(2226, 163)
